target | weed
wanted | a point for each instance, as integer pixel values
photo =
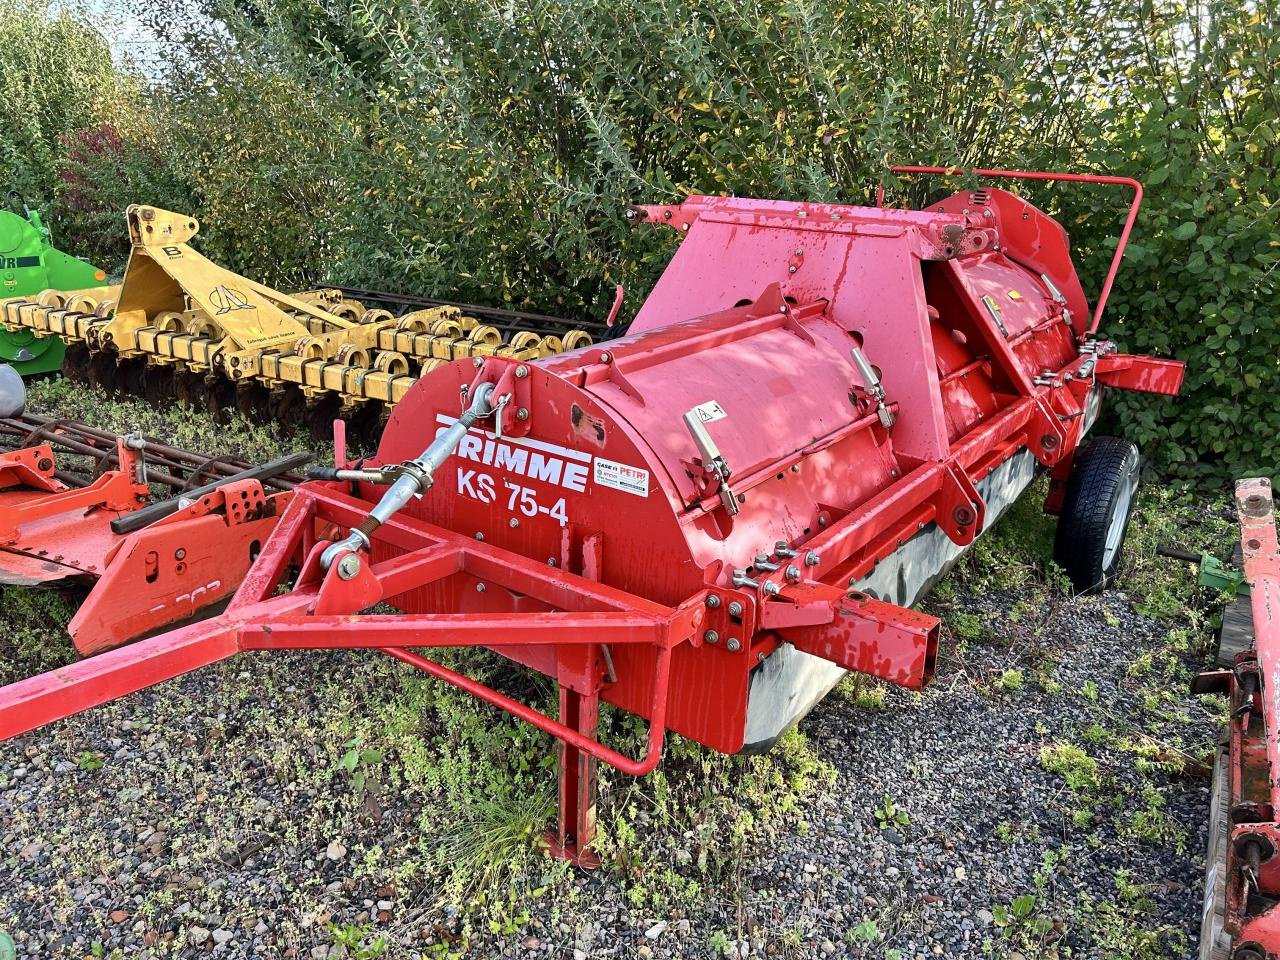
(1010, 681)
(1021, 916)
(867, 931)
(358, 940)
(1077, 768)
(358, 762)
(865, 693)
(966, 626)
(889, 814)
(90, 761)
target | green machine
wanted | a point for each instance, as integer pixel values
(29, 264)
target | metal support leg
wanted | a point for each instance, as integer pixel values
(576, 826)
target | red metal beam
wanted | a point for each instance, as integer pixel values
(634, 767)
(544, 628)
(1129, 219)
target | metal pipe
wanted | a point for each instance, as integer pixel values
(628, 765)
(415, 478)
(156, 511)
(1107, 180)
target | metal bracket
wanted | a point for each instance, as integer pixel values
(712, 461)
(874, 387)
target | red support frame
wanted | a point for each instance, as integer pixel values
(1130, 217)
(322, 611)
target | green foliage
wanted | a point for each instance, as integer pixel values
(33, 631)
(55, 76)
(889, 814)
(358, 763)
(1077, 768)
(488, 152)
(358, 940)
(1010, 681)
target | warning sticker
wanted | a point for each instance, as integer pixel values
(621, 476)
(710, 412)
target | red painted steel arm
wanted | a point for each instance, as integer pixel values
(68, 690)
(636, 768)
(1146, 374)
(1262, 571)
(545, 628)
(1129, 219)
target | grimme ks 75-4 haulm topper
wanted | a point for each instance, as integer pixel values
(705, 522)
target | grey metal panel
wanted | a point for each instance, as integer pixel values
(789, 683)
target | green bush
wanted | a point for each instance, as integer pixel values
(487, 152)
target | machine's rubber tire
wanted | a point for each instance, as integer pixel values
(1096, 511)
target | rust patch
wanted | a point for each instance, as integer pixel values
(587, 427)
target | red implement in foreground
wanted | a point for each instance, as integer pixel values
(149, 563)
(1242, 889)
(707, 521)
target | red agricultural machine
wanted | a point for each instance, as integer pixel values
(705, 522)
(1242, 885)
(151, 534)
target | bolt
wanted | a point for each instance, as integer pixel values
(733, 644)
(793, 574)
(522, 413)
(822, 521)
(515, 522)
(760, 657)
(811, 559)
(180, 554)
(606, 357)
(735, 609)
(791, 269)
(479, 588)
(964, 515)
(713, 601)
(477, 362)
(782, 550)
(1049, 441)
(551, 561)
(771, 588)
(799, 252)
(480, 536)
(521, 372)
(711, 636)
(348, 566)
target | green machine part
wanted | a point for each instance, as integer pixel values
(30, 264)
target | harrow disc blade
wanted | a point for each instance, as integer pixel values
(102, 371)
(157, 384)
(75, 362)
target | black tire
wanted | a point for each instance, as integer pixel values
(1096, 511)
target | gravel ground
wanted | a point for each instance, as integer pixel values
(1044, 799)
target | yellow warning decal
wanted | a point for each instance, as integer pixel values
(1014, 295)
